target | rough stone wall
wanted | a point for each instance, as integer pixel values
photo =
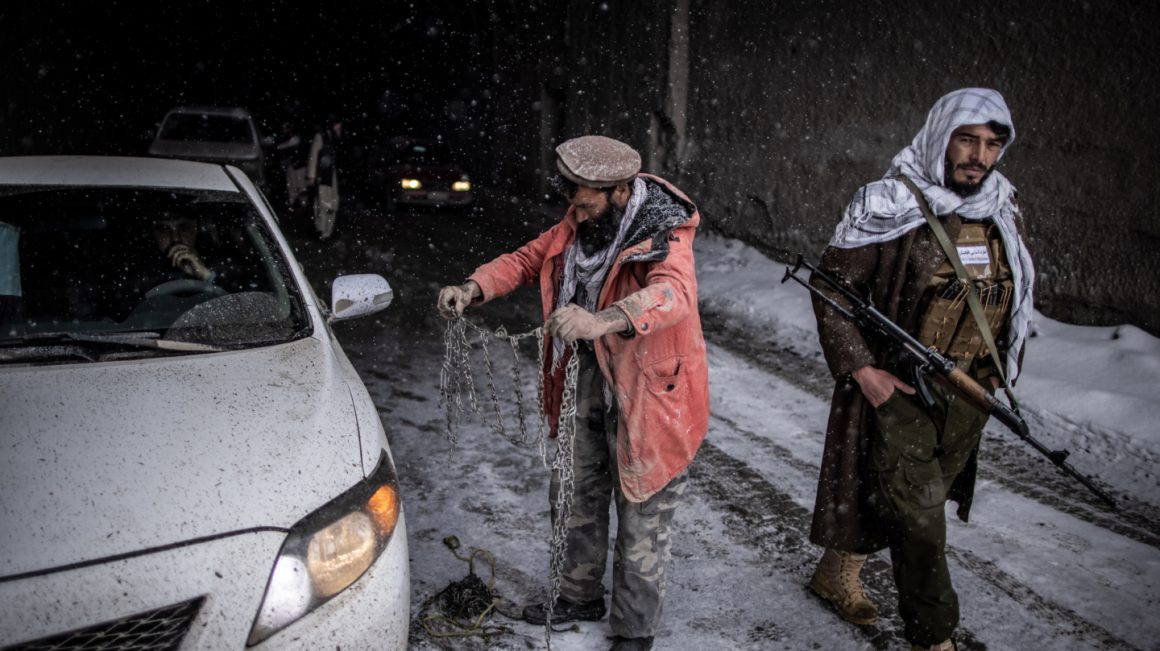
(794, 104)
(615, 68)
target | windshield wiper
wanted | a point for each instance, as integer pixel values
(54, 344)
(145, 340)
(43, 352)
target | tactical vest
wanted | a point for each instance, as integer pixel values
(947, 323)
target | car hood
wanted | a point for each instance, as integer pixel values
(117, 457)
(217, 151)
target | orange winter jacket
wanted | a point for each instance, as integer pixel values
(659, 373)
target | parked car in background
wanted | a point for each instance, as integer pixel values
(419, 172)
(190, 460)
(226, 136)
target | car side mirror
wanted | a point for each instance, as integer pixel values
(359, 295)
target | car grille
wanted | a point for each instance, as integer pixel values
(156, 630)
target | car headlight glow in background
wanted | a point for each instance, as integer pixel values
(411, 184)
(328, 550)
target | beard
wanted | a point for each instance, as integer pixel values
(597, 234)
(963, 189)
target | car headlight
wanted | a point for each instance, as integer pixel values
(328, 550)
(461, 186)
(411, 184)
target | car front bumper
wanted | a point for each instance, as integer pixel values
(433, 198)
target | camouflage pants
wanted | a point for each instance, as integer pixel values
(641, 552)
(915, 455)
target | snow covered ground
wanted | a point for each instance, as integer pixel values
(1096, 386)
(1040, 566)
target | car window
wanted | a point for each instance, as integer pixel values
(181, 265)
(206, 128)
(420, 154)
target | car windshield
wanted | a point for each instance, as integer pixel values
(116, 266)
(203, 127)
(424, 154)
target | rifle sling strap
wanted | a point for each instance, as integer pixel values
(944, 241)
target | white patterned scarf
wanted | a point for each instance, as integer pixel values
(591, 270)
(885, 210)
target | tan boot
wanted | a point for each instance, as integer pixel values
(945, 645)
(836, 580)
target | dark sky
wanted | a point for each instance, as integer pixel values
(95, 77)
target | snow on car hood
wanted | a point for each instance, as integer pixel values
(111, 458)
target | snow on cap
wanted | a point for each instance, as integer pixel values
(596, 161)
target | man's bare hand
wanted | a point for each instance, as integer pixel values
(185, 259)
(573, 322)
(878, 385)
(453, 299)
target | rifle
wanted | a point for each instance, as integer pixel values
(929, 362)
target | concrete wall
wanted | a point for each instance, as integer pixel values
(794, 104)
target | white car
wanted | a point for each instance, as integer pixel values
(188, 460)
(212, 134)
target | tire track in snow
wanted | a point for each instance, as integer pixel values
(757, 513)
(1065, 620)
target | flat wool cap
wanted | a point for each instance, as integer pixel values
(596, 161)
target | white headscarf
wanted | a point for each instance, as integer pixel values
(885, 210)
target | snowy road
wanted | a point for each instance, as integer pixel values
(1040, 566)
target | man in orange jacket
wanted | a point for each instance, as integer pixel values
(616, 275)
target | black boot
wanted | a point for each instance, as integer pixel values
(566, 611)
(631, 643)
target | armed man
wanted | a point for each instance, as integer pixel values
(935, 245)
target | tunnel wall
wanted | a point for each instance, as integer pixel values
(793, 105)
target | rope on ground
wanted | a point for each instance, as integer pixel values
(464, 605)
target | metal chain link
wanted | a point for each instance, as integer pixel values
(563, 464)
(456, 380)
(451, 377)
(455, 376)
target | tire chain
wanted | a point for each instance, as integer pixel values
(455, 379)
